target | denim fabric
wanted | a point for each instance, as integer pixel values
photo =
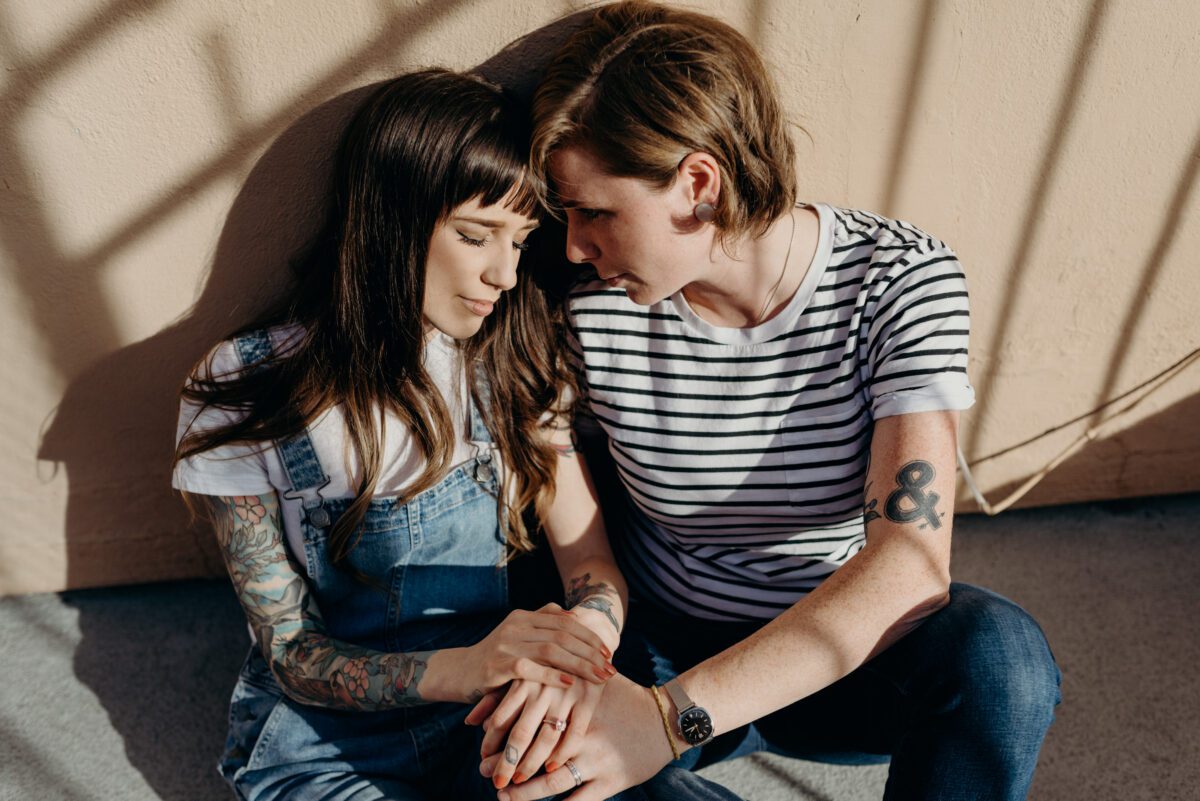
(960, 705)
(432, 580)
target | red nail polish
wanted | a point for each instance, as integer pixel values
(567, 679)
(607, 653)
(601, 674)
(551, 767)
(518, 778)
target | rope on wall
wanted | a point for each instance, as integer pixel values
(1150, 386)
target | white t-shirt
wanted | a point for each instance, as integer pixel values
(744, 450)
(258, 469)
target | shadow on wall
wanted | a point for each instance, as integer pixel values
(117, 455)
(1161, 444)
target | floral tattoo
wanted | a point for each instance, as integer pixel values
(311, 666)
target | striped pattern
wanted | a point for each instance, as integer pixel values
(744, 450)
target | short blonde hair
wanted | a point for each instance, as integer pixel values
(641, 85)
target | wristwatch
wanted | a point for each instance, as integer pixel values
(694, 722)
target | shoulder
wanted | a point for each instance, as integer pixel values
(231, 356)
(891, 252)
(881, 236)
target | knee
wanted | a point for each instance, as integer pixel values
(1000, 664)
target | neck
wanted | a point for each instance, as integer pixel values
(751, 281)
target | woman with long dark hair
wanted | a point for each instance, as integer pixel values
(368, 449)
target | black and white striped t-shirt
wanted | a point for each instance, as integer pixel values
(744, 450)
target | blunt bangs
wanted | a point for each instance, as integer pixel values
(493, 163)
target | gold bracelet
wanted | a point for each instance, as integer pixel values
(662, 710)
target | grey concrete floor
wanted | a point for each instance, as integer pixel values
(120, 693)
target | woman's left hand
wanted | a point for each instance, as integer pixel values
(624, 746)
(525, 716)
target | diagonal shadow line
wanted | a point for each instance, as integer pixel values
(1031, 223)
(758, 23)
(26, 77)
(793, 784)
(1151, 269)
(912, 100)
(30, 241)
(51, 783)
(380, 49)
(42, 270)
(224, 69)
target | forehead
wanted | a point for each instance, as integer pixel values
(581, 180)
(504, 212)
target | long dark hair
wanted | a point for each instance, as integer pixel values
(420, 146)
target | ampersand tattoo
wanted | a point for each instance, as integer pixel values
(913, 478)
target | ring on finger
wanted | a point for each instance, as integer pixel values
(575, 774)
(558, 724)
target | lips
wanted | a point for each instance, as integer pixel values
(480, 307)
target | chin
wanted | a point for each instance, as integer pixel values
(642, 295)
(456, 329)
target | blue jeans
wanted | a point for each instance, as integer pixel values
(960, 705)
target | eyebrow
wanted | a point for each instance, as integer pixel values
(495, 223)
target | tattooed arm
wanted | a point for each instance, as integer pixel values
(900, 577)
(595, 593)
(313, 668)
(592, 585)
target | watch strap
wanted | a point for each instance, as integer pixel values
(678, 697)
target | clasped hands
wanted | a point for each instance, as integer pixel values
(599, 736)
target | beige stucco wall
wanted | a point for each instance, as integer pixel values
(158, 160)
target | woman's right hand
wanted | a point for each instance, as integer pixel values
(548, 646)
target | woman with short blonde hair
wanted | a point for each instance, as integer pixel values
(777, 386)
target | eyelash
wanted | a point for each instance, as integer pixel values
(479, 243)
(590, 214)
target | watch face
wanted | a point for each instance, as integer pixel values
(695, 725)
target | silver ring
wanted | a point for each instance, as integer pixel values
(569, 765)
(558, 724)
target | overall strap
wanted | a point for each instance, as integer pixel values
(480, 437)
(297, 453)
(479, 432)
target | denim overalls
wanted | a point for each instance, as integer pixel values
(434, 563)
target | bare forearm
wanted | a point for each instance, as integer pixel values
(882, 593)
(592, 585)
(855, 614)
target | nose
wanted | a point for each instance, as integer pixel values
(580, 247)
(502, 272)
